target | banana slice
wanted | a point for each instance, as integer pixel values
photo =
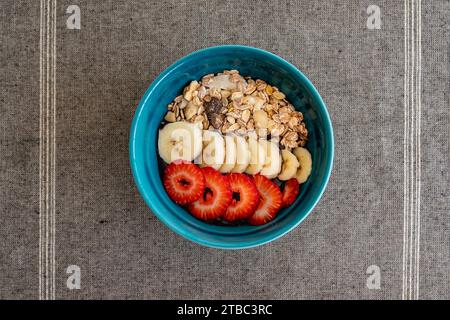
(230, 154)
(242, 155)
(289, 166)
(272, 164)
(179, 140)
(257, 156)
(304, 158)
(213, 154)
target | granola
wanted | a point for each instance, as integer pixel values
(229, 102)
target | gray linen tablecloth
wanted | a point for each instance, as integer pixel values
(68, 201)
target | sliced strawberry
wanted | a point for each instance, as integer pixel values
(270, 201)
(290, 192)
(245, 197)
(184, 182)
(216, 196)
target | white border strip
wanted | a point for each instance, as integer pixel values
(412, 153)
(47, 148)
(419, 171)
(53, 159)
(40, 145)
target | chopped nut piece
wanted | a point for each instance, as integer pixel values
(196, 101)
(190, 111)
(189, 90)
(183, 104)
(170, 117)
(201, 92)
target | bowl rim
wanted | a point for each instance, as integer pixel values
(186, 234)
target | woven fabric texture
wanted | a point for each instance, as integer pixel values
(102, 224)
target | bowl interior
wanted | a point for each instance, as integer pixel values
(251, 62)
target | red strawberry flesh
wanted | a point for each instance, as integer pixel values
(290, 192)
(184, 182)
(245, 197)
(270, 201)
(216, 197)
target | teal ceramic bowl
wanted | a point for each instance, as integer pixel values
(258, 64)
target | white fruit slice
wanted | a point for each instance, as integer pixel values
(272, 164)
(242, 155)
(213, 153)
(257, 156)
(230, 154)
(179, 140)
(305, 161)
(289, 166)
